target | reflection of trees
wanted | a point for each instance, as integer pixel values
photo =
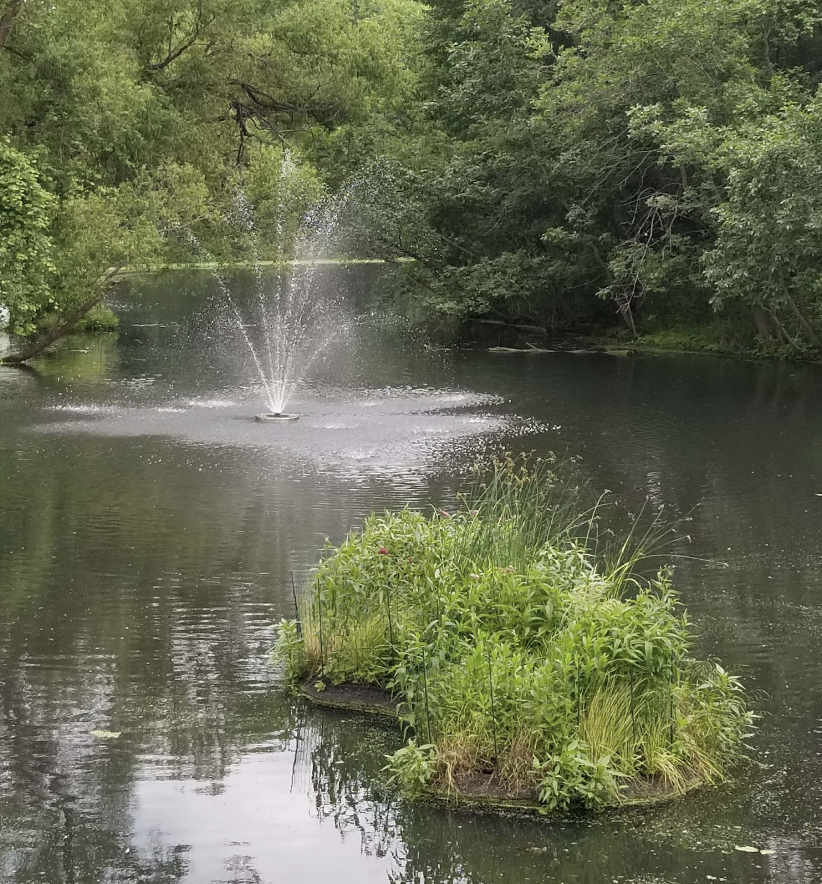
(82, 359)
(138, 579)
(139, 583)
(131, 602)
(198, 313)
(77, 849)
(338, 762)
(742, 441)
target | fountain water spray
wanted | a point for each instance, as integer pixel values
(294, 318)
(290, 318)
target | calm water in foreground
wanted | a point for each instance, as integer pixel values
(148, 529)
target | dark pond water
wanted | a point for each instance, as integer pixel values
(148, 529)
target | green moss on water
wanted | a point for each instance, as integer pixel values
(688, 339)
(708, 338)
(720, 338)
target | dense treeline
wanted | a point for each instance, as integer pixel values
(568, 163)
(654, 161)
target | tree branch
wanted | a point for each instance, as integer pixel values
(7, 21)
(173, 53)
(265, 101)
(63, 328)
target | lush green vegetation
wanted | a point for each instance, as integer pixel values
(572, 164)
(121, 121)
(647, 163)
(527, 659)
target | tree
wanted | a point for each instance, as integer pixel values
(123, 102)
(8, 19)
(26, 211)
(768, 251)
(572, 174)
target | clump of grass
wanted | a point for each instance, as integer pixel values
(524, 653)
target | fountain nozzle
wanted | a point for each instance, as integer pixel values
(275, 416)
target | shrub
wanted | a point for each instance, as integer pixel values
(520, 651)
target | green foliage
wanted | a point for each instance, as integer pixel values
(99, 319)
(289, 649)
(518, 644)
(571, 163)
(704, 338)
(639, 163)
(769, 248)
(412, 767)
(26, 209)
(572, 776)
(145, 117)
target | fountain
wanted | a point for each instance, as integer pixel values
(290, 319)
(275, 416)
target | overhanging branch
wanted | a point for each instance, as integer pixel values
(173, 52)
(63, 328)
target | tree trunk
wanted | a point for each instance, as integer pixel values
(762, 324)
(7, 21)
(63, 328)
(782, 333)
(802, 316)
(625, 311)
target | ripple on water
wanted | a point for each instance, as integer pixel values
(85, 408)
(211, 403)
(403, 428)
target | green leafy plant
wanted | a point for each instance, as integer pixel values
(523, 650)
(412, 767)
(289, 649)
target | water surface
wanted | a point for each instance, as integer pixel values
(149, 528)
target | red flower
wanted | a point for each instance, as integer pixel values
(445, 514)
(382, 551)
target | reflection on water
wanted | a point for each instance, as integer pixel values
(147, 534)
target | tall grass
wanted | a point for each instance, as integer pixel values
(520, 505)
(522, 649)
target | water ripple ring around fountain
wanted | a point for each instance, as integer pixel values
(271, 417)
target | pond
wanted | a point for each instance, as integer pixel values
(149, 529)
